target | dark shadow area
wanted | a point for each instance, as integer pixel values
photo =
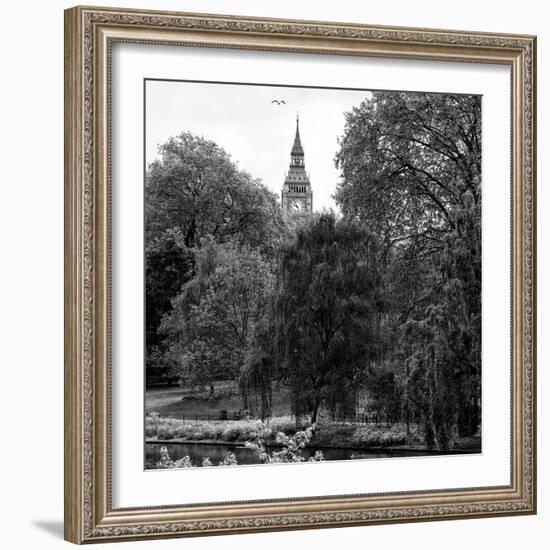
(53, 527)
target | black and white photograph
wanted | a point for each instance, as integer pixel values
(312, 274)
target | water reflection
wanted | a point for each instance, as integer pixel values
(216, 453)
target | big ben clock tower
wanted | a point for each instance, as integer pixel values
(296, 196)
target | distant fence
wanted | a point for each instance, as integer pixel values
(221, 416)
(365, 418)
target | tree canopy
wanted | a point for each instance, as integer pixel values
(411, 173)
(196, 187)
(212, 322)
(195, 192)
(329, 297)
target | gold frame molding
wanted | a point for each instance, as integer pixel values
(89, 35)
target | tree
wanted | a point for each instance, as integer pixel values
(211, 327)
(327, 304)
(408, 161)
(196, 187)
(411, 173)
(168, 265)
(193, 192)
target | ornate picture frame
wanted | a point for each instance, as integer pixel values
(90, 34)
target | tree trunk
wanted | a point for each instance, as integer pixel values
(315, 411)
(245, 399)
(190, 234)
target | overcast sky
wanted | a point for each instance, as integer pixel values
(255, 132)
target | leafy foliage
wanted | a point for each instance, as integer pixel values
(230, 431)
(411, 172)
(291, 450)
(213, 319)
(168, 264)
(327, 303)
(194, 192)
(195, 186)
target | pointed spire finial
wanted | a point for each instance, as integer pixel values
(297, 147)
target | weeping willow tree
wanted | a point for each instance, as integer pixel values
(327, 306)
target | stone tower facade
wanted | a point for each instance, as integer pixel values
(296, 195)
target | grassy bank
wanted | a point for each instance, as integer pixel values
(328, 434)
(177, 402)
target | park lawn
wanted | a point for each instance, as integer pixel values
(178, 403)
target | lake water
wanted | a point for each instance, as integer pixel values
(216, 453)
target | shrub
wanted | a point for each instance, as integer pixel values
(284, 424)
(150, 430)
(291, 450)
(166, 431)
(340, 434)
(242, 430)
(317, 457)
(211, 431)
(166, 462)
(229, 460)
(184, 431)
(378, 436)
(151, 424)
(231, 433)
(184, 462)
(334, 434)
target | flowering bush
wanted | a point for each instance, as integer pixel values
(166, 462)
(290, 451)
(229, 460)
(291, 448)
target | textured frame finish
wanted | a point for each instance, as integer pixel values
(89, 34)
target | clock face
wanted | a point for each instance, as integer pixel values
(297, 205)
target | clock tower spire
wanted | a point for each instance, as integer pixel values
(296, 195)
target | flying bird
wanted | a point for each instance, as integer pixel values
(279, 101)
